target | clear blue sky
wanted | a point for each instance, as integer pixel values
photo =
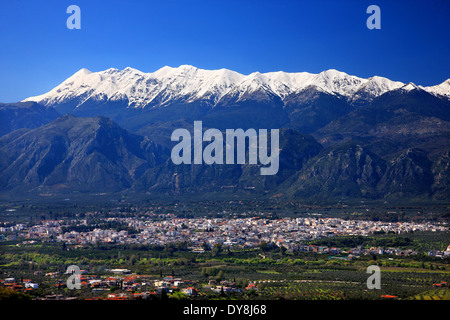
(37, 51)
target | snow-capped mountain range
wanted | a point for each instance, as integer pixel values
(341, 136)
(190, 84)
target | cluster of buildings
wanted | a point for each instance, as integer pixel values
(22, 284)
(122, 285)
(238, 232)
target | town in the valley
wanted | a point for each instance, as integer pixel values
(200, 235)
(134, 253)
(243, 232)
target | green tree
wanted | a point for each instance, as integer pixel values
(219, 276)
(178, 295)
(217, 249)
(8, 294)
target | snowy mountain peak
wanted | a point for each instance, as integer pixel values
(410, 86)
(130, 69)
(187, 67)
(442, 89)
(332, 74)
(334, 81)
(83, 71)
(380, 85)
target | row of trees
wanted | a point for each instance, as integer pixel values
(354, 241)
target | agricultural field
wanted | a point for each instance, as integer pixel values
(351, 285)
(435, 294)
